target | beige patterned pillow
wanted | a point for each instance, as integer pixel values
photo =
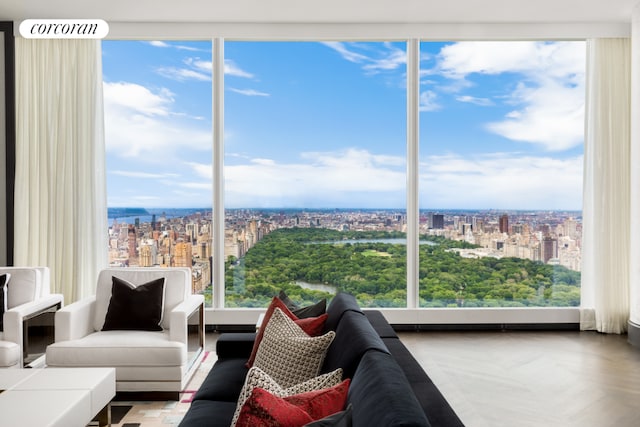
(288, 354)
(256, 377)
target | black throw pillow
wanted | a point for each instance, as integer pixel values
(4, 281)
(318, 309)
(133, 307)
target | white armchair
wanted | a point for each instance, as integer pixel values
(29, 297)
(145, 361)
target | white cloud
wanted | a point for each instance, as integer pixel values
(196, 69)
(356, 177)
(248, 92)
(137, 99)
(158, 43)
(556, 59)
(483, 102)
(200, 64)
(347, 54)
(352, 176)
(551, 115)
(548, 105)
(140, 123)
(182, 74)
(501, 181)
(203, 170)
(144, 175)
(200, 69)
(428, 101)
(197, 185)
(230, 68)
(392, 60)
(119, 199)
(388, 58)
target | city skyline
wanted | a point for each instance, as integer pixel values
(186, 238)
(313, 125)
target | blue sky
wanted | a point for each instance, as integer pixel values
(323, 125)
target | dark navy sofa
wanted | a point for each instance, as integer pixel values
(388, 386)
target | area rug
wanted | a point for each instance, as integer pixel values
(161, 413)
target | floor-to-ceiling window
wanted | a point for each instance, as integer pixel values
(157, 104)
(501, 152)
(315, 169)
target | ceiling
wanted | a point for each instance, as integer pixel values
(326, 11)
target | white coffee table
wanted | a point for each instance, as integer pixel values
(56, 397)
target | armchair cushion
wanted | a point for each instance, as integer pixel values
(118, 349)
(135, 307)
(177, 288)
(9, 353)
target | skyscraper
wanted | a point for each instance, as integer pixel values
(132, 243)
(549, 248)
(183, 255)
(437, 222)
(504, 224)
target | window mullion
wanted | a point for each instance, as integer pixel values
(413, 211)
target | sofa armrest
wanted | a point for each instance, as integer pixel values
(233, 345)
(75, 320)
(14, 318)
(179, 320)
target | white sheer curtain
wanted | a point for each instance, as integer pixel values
(605, 270)
(60, 196)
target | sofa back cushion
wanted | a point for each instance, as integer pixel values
(177, 288)
(354, 336)
(340, 304)
(381, 395)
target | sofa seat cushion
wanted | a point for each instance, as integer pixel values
(9, 353)
(118, 348)
(224, 381)
(381, 395)
(209, 413)
(433, 403)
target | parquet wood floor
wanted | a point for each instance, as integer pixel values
(526, 379)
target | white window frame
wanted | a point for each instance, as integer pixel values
(412, 34)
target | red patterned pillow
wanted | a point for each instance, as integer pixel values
(264, 409)
(313, 326)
